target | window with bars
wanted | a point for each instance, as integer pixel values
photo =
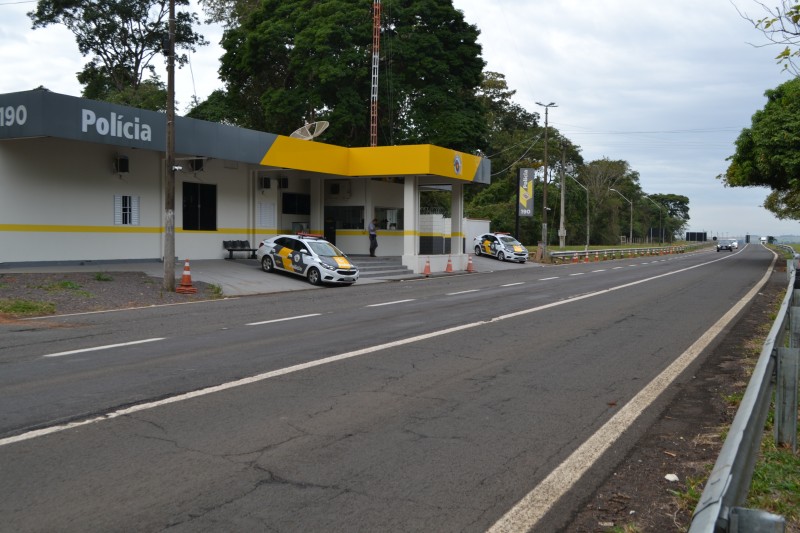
(126, 210)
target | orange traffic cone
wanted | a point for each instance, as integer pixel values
(186, 281)
(574, 258)
(470, 267)
(586, 258)
(449, 265)
(427, 271)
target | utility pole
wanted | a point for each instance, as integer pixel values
(169, 182)
(562, 230)
(544, 180)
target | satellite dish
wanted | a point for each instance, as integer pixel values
(309, 131)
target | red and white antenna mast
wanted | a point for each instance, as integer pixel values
(376, 46)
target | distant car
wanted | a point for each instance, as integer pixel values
(309, 256)
(501, 246)
(735, 244)
(724, 245)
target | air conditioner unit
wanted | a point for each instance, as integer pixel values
(121, 164)
(196, 165)
(338, 189)
(264, 182)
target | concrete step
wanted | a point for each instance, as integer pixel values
(380, 267)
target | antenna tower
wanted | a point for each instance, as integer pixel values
(376, 46)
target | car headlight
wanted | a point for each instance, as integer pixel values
(328, 266)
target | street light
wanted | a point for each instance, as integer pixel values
(544, 193)
(630, 236)
(587, 209)
(660, 227)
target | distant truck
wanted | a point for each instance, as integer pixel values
(764, 240)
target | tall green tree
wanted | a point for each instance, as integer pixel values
(287, 62)
(669, 211)
(516, 140)
(768, 152)
(123, 37)
(608, 210)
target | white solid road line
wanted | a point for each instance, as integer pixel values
(106, 347)
(533, 506)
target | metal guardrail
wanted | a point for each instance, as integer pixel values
(719, 508)
(584, 256)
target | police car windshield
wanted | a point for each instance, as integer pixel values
(324, 249)
(508, 239)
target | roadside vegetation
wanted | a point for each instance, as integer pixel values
(775, 486)
(25, 308)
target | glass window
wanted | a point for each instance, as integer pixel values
(345, 216)
(389, 217)
(296, 203)
(199, 206)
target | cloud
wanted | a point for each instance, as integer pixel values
(666, 86)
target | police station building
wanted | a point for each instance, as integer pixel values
(82, 180)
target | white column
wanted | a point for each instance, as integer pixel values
(411, 223)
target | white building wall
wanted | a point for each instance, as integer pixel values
(57, 202)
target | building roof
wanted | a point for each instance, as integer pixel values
(41, 113)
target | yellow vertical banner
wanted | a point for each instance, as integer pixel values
(525, 192)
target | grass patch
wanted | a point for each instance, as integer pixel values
(688, 498)
(103, 276)
(65, 285)
(215, 290)
(776, 482)
(20, 308)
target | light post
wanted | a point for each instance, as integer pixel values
(587, 209)
(660, 227)
(544, 180)
(630, 236)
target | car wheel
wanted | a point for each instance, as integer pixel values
(267, 264)
(477, 250)
(313, 276)
(501, 256)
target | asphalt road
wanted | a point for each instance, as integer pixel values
(439, 404)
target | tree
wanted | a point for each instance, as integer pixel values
(123, 36)
(768, 152)
(781, 26)
(673, 216)
(287, 62)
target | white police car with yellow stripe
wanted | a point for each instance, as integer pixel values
(502, 246)
(309, 256)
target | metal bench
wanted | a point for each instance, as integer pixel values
(239, 246)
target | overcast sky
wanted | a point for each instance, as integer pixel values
(666, 86)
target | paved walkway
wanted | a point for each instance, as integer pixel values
(238, 277)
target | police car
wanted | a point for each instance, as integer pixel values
(502, 246)
(309, 256)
